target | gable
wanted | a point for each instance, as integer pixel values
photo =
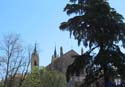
(63, 62)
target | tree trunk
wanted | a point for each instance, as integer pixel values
(105, 76)
(104, 66)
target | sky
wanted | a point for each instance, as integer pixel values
(37, 21)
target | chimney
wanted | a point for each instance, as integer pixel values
(61, 51)
(81, 51)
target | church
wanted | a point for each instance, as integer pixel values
(60, 63)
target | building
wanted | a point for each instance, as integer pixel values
(61, 62)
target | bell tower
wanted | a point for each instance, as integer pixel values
(34, 58)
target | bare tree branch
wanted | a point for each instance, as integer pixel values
(13, 59)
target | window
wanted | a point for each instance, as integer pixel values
(35, 63)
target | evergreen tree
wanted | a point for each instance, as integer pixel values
(100, 27)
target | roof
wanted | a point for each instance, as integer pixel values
(61, 63)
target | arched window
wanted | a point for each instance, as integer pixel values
(35, 63)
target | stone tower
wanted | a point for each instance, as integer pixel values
(34, 58)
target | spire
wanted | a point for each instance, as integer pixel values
(55, 54)
(61, 51)
(34, 58)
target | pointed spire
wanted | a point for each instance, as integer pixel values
(34, 58)
(61, 51)
(35, 51)
(55, 54)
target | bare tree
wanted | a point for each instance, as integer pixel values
(13, 59)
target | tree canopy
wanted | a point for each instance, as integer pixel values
(97, 25)
(44, 78)
(96, 22)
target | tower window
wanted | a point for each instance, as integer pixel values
(35, 63)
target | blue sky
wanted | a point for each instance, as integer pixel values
(38, 21)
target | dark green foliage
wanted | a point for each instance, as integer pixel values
(77, 66)
(96, 22)
(99, 26)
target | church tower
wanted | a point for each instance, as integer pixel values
(34, 58)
